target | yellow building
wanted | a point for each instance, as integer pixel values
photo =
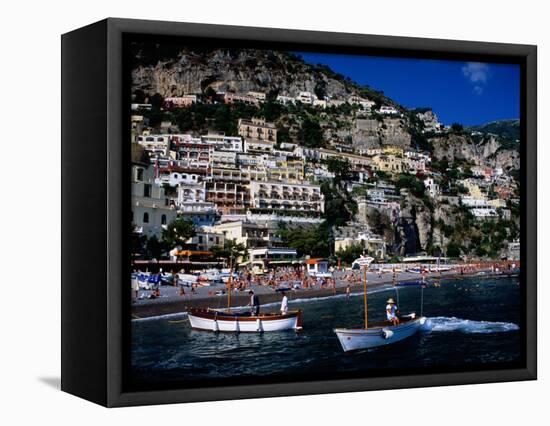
(473, 188)
(289, 170)
(390, 163)
(393, 150)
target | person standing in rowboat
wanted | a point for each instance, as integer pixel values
(391, 312)
(254, 303)
(284, 304)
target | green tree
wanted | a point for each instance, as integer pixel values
(231, 250)
(156, 102)
(178, 232)
(310, 240)
(453, 249)
(457, 128)
(153, 248)
(412, 183)
(350, 253)
(310, 134)
(341, 169)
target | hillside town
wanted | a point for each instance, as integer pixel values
(261, 188)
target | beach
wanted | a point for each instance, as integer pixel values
(171, 302)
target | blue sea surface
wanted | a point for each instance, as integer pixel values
(473, 323)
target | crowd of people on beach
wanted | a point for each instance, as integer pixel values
(291, 278)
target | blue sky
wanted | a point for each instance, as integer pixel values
(465, 92)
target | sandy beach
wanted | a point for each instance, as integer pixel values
(171, 302)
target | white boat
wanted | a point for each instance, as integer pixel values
(236, 321)
(379, 334)
(216, 320)
(210, 275)
(186, 279)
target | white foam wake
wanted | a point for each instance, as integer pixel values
(453, 324)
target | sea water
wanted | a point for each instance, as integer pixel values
(473, 323)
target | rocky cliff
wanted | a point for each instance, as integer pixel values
(239, 70)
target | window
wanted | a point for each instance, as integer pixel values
(145, 217)
(147, 190)
(163, 219)
(139, 175)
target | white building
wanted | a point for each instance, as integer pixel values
(387, 110)
(205, 240)
(365, 104)
(224, 159)
(222, 142)
(272, 256)
(258, 146)
(155, 144)
(306, 97)
(260, 96)
(152, 210)
(432, 187)
(191, 193)
(177, 178)
(181, 101)
(201, 213)
(285, 100)
(287, 196)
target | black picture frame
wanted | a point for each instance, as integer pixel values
(95, 190)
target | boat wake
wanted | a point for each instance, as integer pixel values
(453, 324)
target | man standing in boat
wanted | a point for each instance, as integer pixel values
(284, 304)
(391, 312)
(254, 303)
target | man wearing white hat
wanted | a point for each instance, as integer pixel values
(391, 312)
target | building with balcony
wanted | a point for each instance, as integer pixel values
(306, 98)
(257, 129)
(286, 196)
(270, 257)
(432, 187)
(155, 145)
(175, 178)
(180, 101)
(285, 100)
(356, 234)
(229, 188)
(224, 159)
(285, 169)
(390, 163)
(152, 210)
(201, 213)
(205, 240)
(249, 234)
(388, 110)
(260, 96)
(232, 98)
(364, 103)
(222, 142)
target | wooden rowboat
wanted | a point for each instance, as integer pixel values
(219, 320)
